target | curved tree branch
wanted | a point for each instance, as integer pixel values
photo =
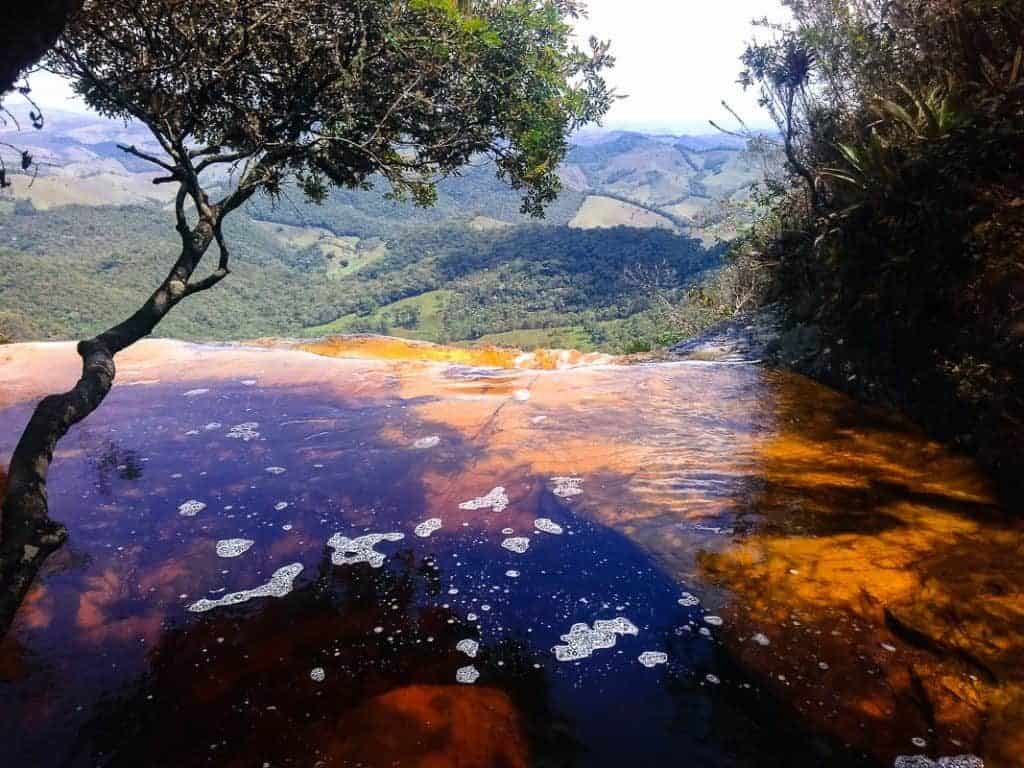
(28, 536)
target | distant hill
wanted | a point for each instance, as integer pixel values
(92, 224)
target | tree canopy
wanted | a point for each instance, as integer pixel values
(338, 92)
(240, 95)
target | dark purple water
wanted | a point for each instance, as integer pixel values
(106, 666)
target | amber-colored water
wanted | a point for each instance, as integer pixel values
(871, 590)
(390, 348)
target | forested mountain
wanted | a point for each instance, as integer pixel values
(470, 267)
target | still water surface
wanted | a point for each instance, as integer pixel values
(278, 558)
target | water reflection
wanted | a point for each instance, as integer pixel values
(807, 525)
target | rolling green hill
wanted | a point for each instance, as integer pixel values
(85, 242)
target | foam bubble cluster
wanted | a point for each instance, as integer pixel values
(517, 544)
(233, 547)
(652, 659)
(360, 550)
(521, 395)
(191, 508)
(688, 601)
(496, 499)
(547, 526)
(427, 527)
(920, 761)
(567, 487)
(280, 584)
(468, 647)
(275, 470)
(467, 675)
(761, 639)
(714, 621)
(317, 674)
(582, 641)
(427, 442)
(245, 432)
(196, 392)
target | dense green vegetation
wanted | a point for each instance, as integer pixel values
(442, 283)
(475, 192)
(898, 249)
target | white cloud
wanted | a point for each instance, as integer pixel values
(678, 59)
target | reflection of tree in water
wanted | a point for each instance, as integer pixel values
(741, 719)
(233, 686)
(115, 459)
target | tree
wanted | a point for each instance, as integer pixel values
(29, 28)
(241, 95)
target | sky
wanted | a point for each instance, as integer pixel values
(676, 61)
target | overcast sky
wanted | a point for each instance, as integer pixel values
(677, 60)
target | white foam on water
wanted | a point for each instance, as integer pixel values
(427, 527)
(688, 600)
(496, 499)
(517, 544)
(361, 549)
(467, 675)
(275, 470)
(280, 506)
(512, 574)
(427, 442)
(246, 431)
(195, 392)
(507, 531)
(233, 547)
(652, 659)
(281, 583)
(191, 508)
(581, 641)
(248, 382)
(921, 761)
(547, 526)
(714, 621)
(468, 647)
(713, 679)
(539, 419)
(521, 395)
(761, 639)
(317, 674)
(567, 487)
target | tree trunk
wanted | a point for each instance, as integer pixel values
(27, 534)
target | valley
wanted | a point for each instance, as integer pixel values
(471, 269)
